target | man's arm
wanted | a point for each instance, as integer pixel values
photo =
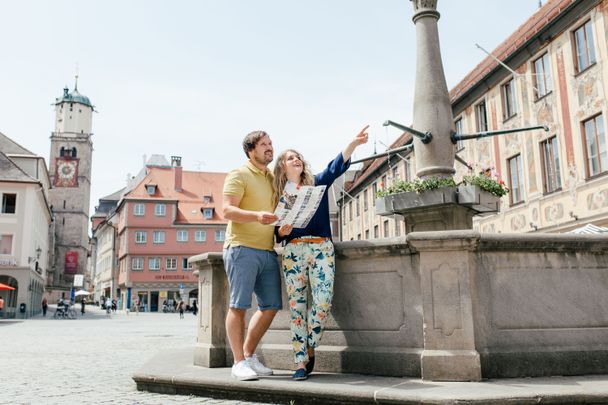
(233, 213)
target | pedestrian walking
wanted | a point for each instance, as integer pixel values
(45, 305)
(194, 307)
(137, 307)
(308, 256)
(249, 256)
(181, 308)
(1, 306)
(82, 304)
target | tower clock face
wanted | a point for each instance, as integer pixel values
(67, 173)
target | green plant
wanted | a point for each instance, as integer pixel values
(486, 182)
(417, 185)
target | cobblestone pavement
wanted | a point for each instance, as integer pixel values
(89, 360)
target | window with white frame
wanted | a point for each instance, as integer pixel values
(200, 236)
(208, 213)
(154, 263)
(9, 203)
(141, 236)
(542, 76)
(595, 146)
(171, 263)
(459, 129)
(407, 164)
(374, 193)
(139, 210)
(481, 116)
(182, 235)
(160, 210)
(516, 179)
(365, 200)
(509, 107)
(6, 244)
(584, 47)
(220, 235)
(185, 265)
(158, 236)
(550, 160)
(357, 212)
(137, 263)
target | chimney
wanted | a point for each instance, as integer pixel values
(176, 163)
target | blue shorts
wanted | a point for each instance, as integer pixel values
(253, 271)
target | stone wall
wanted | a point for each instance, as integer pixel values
(454, 305)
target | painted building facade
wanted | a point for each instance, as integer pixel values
(551, 71)
(165, 216)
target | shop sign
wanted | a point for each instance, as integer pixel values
(170, 277)
(8, 261)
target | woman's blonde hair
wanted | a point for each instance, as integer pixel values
(280, 174)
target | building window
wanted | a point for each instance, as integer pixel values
(383, 183)
(595, 146)
(185, 265)
(375, 231)
(481, 117)
(365, 198)
(584, 47)
(408, 169)
(151, 189)
(139, 210)
(9, 203)
(208, 213)
(509, 108)
(357, 206)
(200, 236)
(542, 76)
(182, 235)
(515, 177)
(374, 193)
(170, 263)
(6, 244)
(154, 263)
(141, 236)
(350, 210)
(458, 128)
(397, 228)
(550, 159)
(358, 236)
(158, 237)
(137, 263)
(366, 234)
(160, 210)
(220, 235)
(386, 228)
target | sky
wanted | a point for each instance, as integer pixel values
(192, 77)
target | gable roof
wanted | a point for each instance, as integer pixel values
(190, 200)
(9, 147)
(10, 172)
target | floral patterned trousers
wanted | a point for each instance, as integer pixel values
(308, 264)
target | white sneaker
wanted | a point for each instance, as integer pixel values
(242, 371)
(257, 366)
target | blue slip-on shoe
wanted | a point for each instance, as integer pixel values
(310, 365)
(300, 374)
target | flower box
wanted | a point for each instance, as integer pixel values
(477, 199)
(401, 202)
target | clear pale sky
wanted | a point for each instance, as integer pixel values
(192, 78)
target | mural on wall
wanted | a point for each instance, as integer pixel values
(518, 222)
(589, 91)
(554, 212)
(532, 187)
(597, 200)
(571, 182)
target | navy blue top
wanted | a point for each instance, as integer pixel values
(319, 224)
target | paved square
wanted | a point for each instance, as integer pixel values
(89, 360)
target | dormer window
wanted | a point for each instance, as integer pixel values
(151, 189)
(207, 199)
(208, 213)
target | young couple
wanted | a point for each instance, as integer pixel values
(251, 193)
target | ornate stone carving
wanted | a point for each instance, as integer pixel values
(597, 200)
(518, 222)
(554, 212)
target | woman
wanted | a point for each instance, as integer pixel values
(308, 257)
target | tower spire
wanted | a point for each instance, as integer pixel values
(76, 76)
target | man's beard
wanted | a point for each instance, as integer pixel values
(263, 160)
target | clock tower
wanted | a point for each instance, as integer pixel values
(70, 171)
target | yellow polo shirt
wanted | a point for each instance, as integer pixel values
(254, 187)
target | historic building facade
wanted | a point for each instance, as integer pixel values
(70, 171)
(164, 216)
(25, 228)
(552, 71)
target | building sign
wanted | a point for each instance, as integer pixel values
(7, 261)
(170, 277)
(71, 262)
(78, 280)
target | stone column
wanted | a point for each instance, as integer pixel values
(210, 350)
(432, 109)
(447, 262)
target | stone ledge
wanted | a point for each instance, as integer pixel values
(172, 372)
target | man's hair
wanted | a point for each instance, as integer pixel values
(251, 140)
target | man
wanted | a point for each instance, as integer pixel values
(1, 305)
(250, 260)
